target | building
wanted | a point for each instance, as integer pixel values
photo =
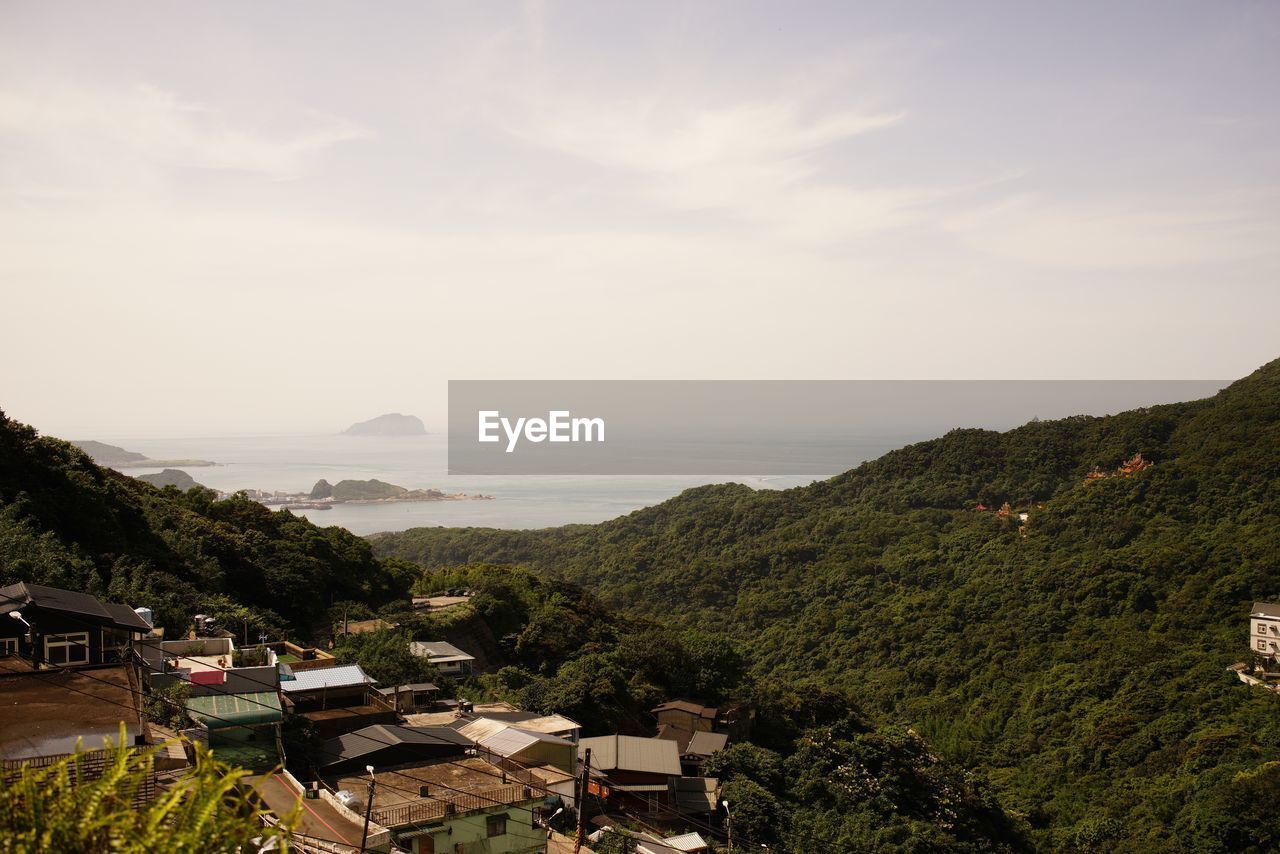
(559, 725)
(411, 698)
(633, 770)
(384, 746)
(445, 657)
(686, 715)
(61, 628)
(1264, 631)
(241, 729)
(208, 665)
(503, 741)
(695, 748)
(335, 700)
(455, 806)
(44, 713)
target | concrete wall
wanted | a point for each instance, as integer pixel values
(471, 831)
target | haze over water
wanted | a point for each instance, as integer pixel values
(295, 463)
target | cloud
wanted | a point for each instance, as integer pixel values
(758, 161)
(79, 137)
(1115, 232)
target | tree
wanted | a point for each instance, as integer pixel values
(385, 656)
(57, 808)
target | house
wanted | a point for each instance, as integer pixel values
(44, 713)
(208, 665)
(498, 740)
(649, 843)
(559, 725)
(300, 657)
(686, 715)
(242, 729)
(466, 805)
(411, 698)
(63, 628)
(695, 748)
(445, 657)
(1264, 631)
(384, 746)
(634, 770)
(335, 700)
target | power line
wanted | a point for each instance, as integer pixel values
(275, 688)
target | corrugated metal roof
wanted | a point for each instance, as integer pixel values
(632, 753)
(219, 711)
(481, 728)
(505, 739)
(706, 743)
(439, 651)
(686, 842)
(346, 676)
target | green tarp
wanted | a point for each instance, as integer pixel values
(220, 711)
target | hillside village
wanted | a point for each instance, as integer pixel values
(396, 768)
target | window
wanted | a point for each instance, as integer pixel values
(70, 648)
(8, 646)
(1262, 628)
(1262, 645)
(496, 825)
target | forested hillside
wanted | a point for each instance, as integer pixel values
(1077, 663)
(67, 522)
(822, 776)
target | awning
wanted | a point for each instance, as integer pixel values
(219, 711)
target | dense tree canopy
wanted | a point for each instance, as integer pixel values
(1076, 666)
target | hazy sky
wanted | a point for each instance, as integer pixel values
(240, 217)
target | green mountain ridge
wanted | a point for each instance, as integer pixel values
(1079, 665)
(66, 522)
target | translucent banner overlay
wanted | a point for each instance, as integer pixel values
(749, 427)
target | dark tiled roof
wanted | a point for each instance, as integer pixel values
(125, 617)
(22, 594)
(374, 738)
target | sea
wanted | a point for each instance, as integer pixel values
(295, 463)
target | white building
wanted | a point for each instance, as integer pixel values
(1264, 629)
(446, 657)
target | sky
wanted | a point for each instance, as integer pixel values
(243, 218)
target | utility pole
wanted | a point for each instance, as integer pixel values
(368, 808)
(728, 824)
(582, 801)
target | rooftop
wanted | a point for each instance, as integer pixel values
(373, 738)
(344, 676)
(439, 651)
(689, 706)
(632, 753)
(22, 595)
(1265, 609)
(43, 713)
(468, 784)
(706, 743)
(220, 711)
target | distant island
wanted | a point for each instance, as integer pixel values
(118, 458)
(325, 495)
(391, 424)
(170, 477)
